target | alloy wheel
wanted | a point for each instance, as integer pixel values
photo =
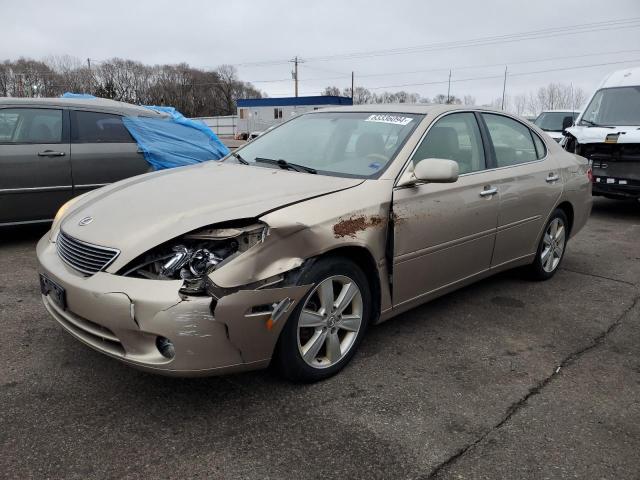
(553, 245)
(329, 321)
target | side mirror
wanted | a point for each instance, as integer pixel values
(433, 170)
(567, 122)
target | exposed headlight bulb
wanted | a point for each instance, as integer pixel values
(202, 261)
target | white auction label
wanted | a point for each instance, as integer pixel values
(385, 118)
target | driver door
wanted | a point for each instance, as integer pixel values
(445, 233)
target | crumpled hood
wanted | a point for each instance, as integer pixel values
(139, 213)
(584, 134)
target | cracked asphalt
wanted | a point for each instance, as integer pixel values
(504, 379)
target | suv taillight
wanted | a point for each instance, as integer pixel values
(590, 174)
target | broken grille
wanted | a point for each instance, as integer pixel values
(84, 257)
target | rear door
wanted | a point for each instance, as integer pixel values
(529, 183)
(35, 173)
(102, 150)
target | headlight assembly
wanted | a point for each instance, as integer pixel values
(195, 255)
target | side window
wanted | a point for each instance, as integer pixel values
(541, 149)
(30, 125)
(512, 141)
(96, 127)
(454, 137)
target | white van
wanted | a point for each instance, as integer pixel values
(607, 132)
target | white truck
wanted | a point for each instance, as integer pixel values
(607, 132)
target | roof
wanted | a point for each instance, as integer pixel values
(560, 110)
(423, 108)
(622, 78)
(102, 104)
(297, 101)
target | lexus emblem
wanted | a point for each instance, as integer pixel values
(85, 221)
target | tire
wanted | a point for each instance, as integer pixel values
(310, 353)
(552, 247)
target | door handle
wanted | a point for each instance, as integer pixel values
(553, 177)
(488, 191)
(51, 153)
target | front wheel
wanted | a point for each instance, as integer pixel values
(325, 329)
(552, 247)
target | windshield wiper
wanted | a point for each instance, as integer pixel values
(286, 165)
(590, 123)
(238, 157)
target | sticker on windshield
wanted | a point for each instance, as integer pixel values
(393, 119)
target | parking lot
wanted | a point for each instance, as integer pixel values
(504, 379)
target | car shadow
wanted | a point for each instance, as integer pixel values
(22, 233)
(615, 209)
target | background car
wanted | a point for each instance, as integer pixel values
(608, 134)
(553, 122)
(52, 149)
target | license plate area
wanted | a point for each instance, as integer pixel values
(55, 292)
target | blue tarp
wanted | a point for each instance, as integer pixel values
(76, 95)
(174, 141)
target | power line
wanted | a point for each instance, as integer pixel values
(474, 42)
(489, 77)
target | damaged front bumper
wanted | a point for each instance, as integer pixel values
(125, 317)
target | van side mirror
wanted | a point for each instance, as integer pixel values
(567, 122)
(433, 170)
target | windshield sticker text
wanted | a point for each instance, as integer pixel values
(393, 119)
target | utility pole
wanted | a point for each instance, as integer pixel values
(294, 74)
(504, 86)
(90, 76)
(352, 86)
(449, 88)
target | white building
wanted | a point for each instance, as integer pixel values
(258, 114)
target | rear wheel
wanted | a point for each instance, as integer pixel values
(324, 331)
(552, 247)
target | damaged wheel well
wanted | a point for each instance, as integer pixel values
(363, 258)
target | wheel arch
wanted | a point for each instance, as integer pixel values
(363, 258)
(567, 208)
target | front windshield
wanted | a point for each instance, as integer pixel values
(613, 106)
(552, 121)
(348, 144)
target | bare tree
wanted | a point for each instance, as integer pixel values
(520, 104)
(331, 91)
(441, 98)
(469, 100)
(193, 91)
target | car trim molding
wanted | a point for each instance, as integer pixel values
(55, 188)
(519, 222)
(442, 246)
(91, 185)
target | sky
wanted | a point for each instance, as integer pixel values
(389, 45)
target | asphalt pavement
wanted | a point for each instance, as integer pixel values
(504, 379)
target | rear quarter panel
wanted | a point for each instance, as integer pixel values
(577, 187)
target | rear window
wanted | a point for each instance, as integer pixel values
(96, 127)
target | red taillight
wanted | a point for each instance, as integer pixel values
(590, 175)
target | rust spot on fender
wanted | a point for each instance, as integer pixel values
(351, 226)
